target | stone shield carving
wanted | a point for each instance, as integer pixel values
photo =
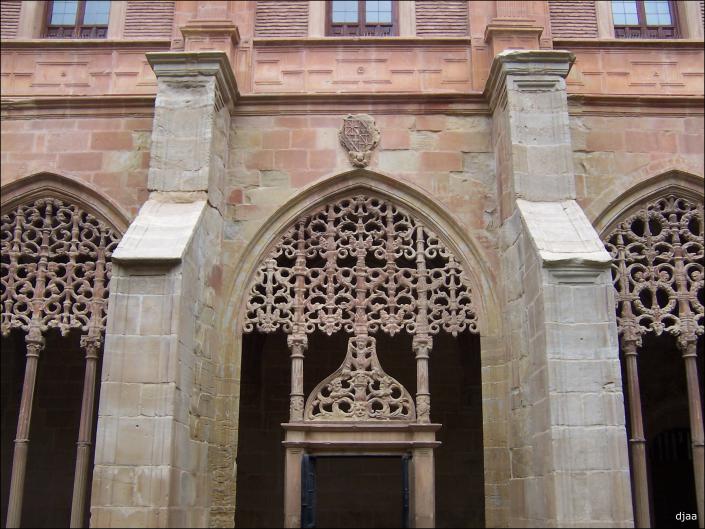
(359, 136)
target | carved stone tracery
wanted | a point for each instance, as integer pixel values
(360, 389)
(658, 269)
(55, 268)
(360, 265)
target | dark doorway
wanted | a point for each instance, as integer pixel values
(345, 491)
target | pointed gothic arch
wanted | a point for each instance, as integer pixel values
(655, 235)
(471, 257)
(57, 239)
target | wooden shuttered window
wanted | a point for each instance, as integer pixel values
(9, 19)
(281, 18)
(149, 20)
(441, 18)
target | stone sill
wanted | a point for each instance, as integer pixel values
(84, 43)
(629, 43)
(359, 41)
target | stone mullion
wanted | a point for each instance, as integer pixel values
(298, 340)
(637, 440)
(422, 341)
(91, 344)
(687, 342)
(35, 343)
(630, 342)
(360, 271)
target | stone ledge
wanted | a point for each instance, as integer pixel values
(160, 233)
(563, 235)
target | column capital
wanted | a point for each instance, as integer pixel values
(183, 65)
(527, 63)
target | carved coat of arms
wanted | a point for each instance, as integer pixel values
(359, 136)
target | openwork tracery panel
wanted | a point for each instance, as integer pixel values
(55, 268)
(360, 265)
(365, 265)
(658, 269)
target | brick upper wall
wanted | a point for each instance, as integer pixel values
(9, 19)
(281, 19)
(149, 19)
(573, 19)
(441, 17)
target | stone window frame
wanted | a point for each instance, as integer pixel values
(362, 25)
(644, 30)
(406, 22)
(688, 18)
(33, 21)
(96, 31)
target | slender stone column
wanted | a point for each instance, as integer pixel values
(422, 347)
(35, 344)
(637, 441)
(297, 344)
(91, 345)
(689, 348)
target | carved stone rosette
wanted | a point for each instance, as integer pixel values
(360, 265)
(359, 136)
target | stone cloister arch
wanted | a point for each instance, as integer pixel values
(362, 195)
(57, 240)
(654, 234)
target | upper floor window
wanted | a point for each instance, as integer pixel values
(362, 17)
(78, 19)
(644, 19)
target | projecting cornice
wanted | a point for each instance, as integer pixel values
(525, 63)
